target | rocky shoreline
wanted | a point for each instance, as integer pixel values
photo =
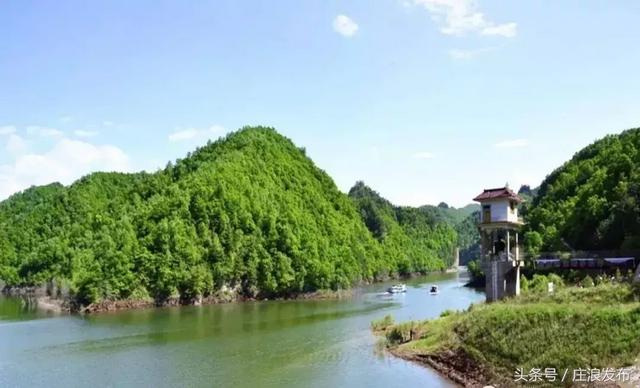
(454, 365)
(65, 304)
(56, 299)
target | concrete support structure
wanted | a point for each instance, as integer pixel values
(501, 267)
(502, 279)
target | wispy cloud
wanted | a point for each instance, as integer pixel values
(83, 133)
(344, 26)
(463, 55)
(423, 155)
(460, 17)
(44, 131)
(7, 130)
(515, 143)
(196, 133)
(508, 30)
(16, 145)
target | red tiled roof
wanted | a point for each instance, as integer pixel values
(502, 192)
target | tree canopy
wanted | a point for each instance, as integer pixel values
(249, 211)
(592, 202)
(413, 240)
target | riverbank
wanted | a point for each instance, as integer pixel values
(39, 298)
(45, 298)
(575, 328)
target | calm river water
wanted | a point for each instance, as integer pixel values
(261, 344)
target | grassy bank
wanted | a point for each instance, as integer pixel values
(595, 327)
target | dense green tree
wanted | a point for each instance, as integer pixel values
(250, 211)
(592, 202)
(413, 240)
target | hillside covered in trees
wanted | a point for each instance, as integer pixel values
(421, 226)
(250, 211)
(414, 238)
(465, 222)
(592, 202)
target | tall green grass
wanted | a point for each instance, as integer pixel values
(550, 335)
(571, 328)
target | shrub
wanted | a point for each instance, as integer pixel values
(383, 323)
(539, 284)
(557, 281)
(587, 281)
(618, 275)
(446, 313)
(524, 283)
(403, 333)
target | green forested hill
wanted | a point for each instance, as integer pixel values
(469, 238)
(449, 214)
(413, 238)
(592, 202)
(464, 220)
(249, 211)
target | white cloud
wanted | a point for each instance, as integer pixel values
(508, 30)
(16, 145)
(7, 130)
(67, 161)
(196, 134)
(83, 133)
(459, 17)
(463, 55)
(423, 155)
(44, 131)
(515, 143)
(344, 26)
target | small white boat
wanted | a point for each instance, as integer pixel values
(434, 290)
(397, 289)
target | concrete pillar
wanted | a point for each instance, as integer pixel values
(494, 281)
(502, 280)
(502, 277)
(513, 282)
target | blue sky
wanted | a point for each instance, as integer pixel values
(424, 100)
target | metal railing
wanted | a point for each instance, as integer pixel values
(596, 259)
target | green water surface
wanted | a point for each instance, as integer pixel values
(261, 344)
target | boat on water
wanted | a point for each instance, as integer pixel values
(434, 290)
(397, 289)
